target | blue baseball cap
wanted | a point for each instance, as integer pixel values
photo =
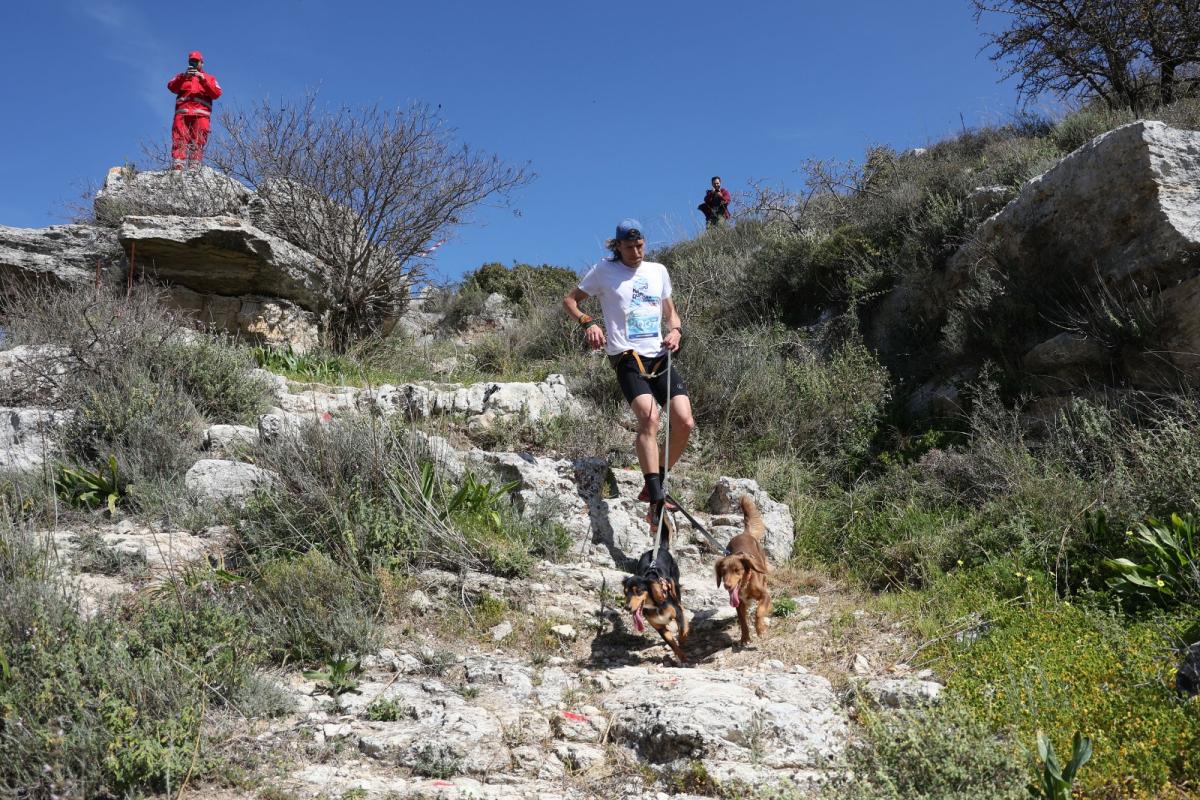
(628, 230)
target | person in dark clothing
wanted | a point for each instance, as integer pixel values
(716, 203)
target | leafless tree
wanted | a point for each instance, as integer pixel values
(1170, 41)
(1102, 49)
(370, 192)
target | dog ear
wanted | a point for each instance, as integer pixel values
(672, 591)
(718, 569)
(754, 562)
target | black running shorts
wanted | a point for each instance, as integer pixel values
(633, 384)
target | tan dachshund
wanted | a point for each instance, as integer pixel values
(743, 573)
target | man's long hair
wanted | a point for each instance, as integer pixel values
(614, 249)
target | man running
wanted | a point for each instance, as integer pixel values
(634, 296)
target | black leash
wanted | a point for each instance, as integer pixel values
(696, 524)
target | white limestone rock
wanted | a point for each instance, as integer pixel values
(221, 481)
(777, 517)
(28, 436)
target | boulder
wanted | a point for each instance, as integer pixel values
(1073, 218)
(1180, 333)
(29, 373)
(222, 255)
(58, 256)
(27, 436)
(983, 200)
(786, 724)
(777, 517)
(544, 486)
(1067, 360)
(227, 437)
(263, 320)
(220, 481)
(200, 192)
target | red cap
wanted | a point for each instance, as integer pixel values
(196, 54)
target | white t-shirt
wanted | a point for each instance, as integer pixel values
(631, 300)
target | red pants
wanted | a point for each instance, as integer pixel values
(189, 134)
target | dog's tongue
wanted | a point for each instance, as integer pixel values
(638, 622)
(733, 597)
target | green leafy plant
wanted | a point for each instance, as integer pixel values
(1168, 567)
(84, 488)
(388, 710)
(473, 498)
(1056, 781)
(783, 607)
(307, 366)
(338, 677)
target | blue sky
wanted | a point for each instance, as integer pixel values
(620, 109)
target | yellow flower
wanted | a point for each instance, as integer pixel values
(1160, 583)
(960, 563)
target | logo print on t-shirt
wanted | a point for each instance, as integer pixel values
(644, 312)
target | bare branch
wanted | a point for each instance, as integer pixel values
(369, 192)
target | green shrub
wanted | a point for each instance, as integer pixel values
(1080, 127)
(1055, 667)
(364, 494)
(940, 754)
(312, 610)
(141, 384)
(148, 425)
(523, 283)
(1057, 779)
(90, 489)
(215, 375)
(759, 391)
(324, 368)
(107, 706)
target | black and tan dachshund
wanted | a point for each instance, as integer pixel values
(652, 595)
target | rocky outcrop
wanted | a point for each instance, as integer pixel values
(221, 255)
(1090, 275)
(27, 436)
(484, 402)
(1074, 220)
(753, 727)
(1067, 361)
(58, 256)
(267, 320)
(725, 504)
(200, 192)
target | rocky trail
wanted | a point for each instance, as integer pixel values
(540, 686)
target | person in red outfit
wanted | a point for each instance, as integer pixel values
(716, 203)
(195, 90)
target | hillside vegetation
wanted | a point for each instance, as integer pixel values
(993, 539)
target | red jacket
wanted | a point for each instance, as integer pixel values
(194, 94)
(718, 200)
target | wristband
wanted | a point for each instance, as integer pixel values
(677, 328)
(585, 320)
